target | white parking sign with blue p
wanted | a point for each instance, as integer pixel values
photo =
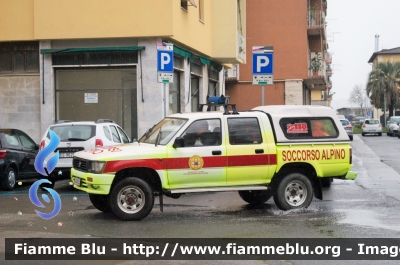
(262, 64)
(165, 62)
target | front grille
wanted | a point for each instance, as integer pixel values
(80, 164)
(69, 149)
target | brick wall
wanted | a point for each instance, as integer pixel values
(20, 104)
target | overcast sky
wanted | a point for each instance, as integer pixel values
(352, 26)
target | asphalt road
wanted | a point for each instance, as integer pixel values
(364, 208)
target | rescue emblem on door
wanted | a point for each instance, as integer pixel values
(196, 162)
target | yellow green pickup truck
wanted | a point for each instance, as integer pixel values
(285, 152)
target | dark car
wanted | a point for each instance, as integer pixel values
(17, 157)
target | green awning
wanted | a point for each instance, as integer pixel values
(204, 60)
(94, 49)
(183, 52)
(217, 66)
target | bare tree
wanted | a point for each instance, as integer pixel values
(357, 96)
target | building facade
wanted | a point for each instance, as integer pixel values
(85, 60)
(297, 32)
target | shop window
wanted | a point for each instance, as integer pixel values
(174, 94)
(93, 58)
(19, 57)
(194, 91)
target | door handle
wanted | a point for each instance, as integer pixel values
(259, 151)
(216, 153)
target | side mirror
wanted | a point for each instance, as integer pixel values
(179, 142)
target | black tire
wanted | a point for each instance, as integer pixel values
(100, 202)
(398, 135)
(326, 182)
(293, 191)
(255, 197)
(131, 199)
(10, 179)
(380, 134)
(363, 134)
(351, 138)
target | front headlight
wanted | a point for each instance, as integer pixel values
(96, 167)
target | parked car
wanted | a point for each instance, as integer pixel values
(17, 157)
(358, 121)
(371, 126)
(78, 136)
(392, 126)
(348, 127)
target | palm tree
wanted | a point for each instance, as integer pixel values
(384, 85)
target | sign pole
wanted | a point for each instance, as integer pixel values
(262, 68)
(165, 68)
(262, 96)
(165, 100)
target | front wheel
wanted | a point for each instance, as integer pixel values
(380, 134)
(10, 179)
(100, 202)
(293, 191)
(131, 199)
(255, 196)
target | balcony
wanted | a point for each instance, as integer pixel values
(316, 23)
(316, 80)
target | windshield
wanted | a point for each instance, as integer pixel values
(395, 121)
(168, 127)
(73, 132)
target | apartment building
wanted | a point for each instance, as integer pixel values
(297, 32)
(85, 60)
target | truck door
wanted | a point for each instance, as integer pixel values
(247, 152)
(202, 161)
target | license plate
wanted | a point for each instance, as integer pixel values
(67, 155)
(77, 182)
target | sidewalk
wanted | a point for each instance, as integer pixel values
(372, 173)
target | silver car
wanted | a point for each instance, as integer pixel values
(348, 127)
(392, 126)
(371, 126)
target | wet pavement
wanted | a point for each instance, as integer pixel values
(364, 208)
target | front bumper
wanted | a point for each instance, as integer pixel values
(351, 175)
(92, 183)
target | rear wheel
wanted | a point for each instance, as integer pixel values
(351, 137)
(255, 196)
(363, 134)
(131, 199)
(10, 179)
(380, 134)
(100, 202)
(293, 191)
